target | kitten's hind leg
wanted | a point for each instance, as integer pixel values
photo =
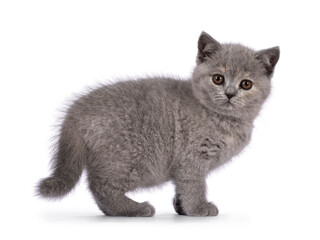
(121, 205)
(114, 202)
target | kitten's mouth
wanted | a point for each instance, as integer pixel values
(228, 104)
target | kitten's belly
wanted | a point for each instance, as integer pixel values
(145, 150)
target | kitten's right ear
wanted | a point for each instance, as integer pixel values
(269, 58)
(207, 46)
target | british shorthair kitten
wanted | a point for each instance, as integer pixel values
(142, 133)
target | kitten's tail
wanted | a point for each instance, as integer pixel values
(68, 163)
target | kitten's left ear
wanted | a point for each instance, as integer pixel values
(269, 57)
(207, 46)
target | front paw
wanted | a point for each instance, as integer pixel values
(205, 209)
(177, 204)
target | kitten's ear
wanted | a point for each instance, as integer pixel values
(207, 46)
(269, 57)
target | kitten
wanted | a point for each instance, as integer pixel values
(142, 133)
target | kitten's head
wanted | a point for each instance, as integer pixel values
(231, 79)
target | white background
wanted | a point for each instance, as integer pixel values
(51, 50)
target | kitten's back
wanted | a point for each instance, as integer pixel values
(139, 111)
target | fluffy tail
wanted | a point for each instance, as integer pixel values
(68, 163)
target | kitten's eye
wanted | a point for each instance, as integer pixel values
(218, 79)
(246, 84)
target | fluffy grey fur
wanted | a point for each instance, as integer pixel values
(142, 133)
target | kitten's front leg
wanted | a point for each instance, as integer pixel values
(191, 199)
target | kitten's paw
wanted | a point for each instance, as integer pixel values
(205, 209)
(145, 210)
(139, 210)
(177, 204)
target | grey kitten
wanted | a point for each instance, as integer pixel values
(143, 133)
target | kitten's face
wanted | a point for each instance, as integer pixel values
(231, 79)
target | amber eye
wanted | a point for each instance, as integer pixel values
(218, 79)
(246, 84)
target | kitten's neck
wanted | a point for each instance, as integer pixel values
(241, 115)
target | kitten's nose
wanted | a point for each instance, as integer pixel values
(229, 95)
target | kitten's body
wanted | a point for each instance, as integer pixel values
(143, 133)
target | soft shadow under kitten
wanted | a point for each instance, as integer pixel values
(142, 133)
